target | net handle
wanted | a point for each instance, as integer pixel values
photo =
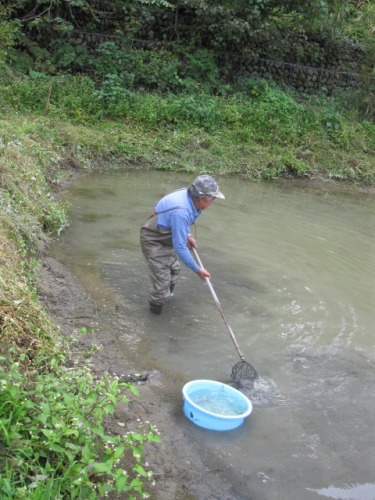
(218, 305)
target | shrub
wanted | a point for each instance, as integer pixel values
(69, 58)
(286, 165)
(9, 32)
(201, 68)
(110, 60)
(156, 70)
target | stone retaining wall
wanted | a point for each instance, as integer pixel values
(303, 78)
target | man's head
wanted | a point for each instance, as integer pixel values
(204, 190)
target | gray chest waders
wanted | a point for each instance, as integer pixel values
(151, 234)
(163, 265)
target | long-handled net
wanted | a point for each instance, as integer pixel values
(241, 371)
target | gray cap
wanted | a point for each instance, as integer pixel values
(205, 185)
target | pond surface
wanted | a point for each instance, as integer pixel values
(294, 270)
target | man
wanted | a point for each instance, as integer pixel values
(166, 237)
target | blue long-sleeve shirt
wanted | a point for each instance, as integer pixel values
(177, 213)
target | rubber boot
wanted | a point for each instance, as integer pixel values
(156, 308)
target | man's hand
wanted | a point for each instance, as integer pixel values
(203, 274)
(191, 242)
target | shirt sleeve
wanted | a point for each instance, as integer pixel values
(180, 231)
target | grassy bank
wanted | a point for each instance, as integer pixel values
(263, 134)
(53, 439)
(49, 406)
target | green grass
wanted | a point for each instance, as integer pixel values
(266, 135)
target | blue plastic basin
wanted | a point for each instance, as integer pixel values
(214, 405)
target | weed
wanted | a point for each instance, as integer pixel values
(287, 165)
(54, 439)
(53, 409)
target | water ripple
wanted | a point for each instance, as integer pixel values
(265, 392)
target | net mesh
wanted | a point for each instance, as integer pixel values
(243, 371)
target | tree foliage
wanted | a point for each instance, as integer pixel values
(171, 45)
(9, 30)
(234, 18)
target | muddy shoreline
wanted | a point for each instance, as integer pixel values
(183, 469)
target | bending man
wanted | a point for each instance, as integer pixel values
(165, 237)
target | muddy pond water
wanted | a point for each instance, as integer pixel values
(294, 270)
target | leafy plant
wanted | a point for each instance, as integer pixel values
(156, 70)
(285, 165)
(112, 90)
(53, 437)
(201, 67)
(66, 57)
(9, 31)
(110, 60)
(254, 87)
(333, 122)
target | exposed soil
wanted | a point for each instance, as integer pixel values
(183, 470)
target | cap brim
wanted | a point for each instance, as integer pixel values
(220, 195)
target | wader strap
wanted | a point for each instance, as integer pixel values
(175, 208)
(168, 210)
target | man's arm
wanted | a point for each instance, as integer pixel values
(180, 233)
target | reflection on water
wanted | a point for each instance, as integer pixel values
(356, 492)
(294, 270)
